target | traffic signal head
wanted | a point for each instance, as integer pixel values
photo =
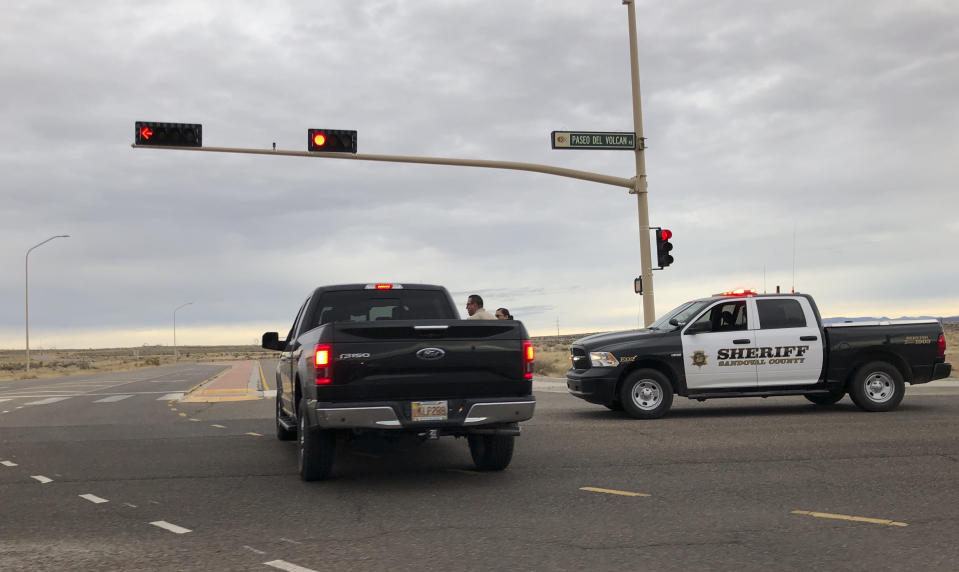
(663, 246)
(332, 141)
(169, 134)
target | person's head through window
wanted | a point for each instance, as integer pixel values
(503, 314)
(474, 303)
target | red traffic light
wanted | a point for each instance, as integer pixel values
(168, 134)
(331, 140)
(665, 234)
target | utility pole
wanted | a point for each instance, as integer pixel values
(26, 290)
(640, 188)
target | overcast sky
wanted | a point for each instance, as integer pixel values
(809, 144)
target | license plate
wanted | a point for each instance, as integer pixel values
(429, 410)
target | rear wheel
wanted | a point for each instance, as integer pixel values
(491, 452)
(315, 451)
(282, 433)
(877, 386)
(646, 394)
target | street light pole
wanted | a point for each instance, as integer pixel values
(26, 290)
(640, 188)
(176, 353)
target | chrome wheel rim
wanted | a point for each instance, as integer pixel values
(646, 394)
(879, 387)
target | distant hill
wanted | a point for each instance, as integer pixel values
(841, 319)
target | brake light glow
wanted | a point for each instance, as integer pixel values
(323, 360)
(942, 346)
(529, 354)
(384, 286)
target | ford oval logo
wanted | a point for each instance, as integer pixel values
(430, 353)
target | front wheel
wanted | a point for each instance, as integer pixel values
(646, 394)
(491, 452)
(315, 450)
(877, 386)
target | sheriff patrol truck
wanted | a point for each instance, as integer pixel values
(744, 344)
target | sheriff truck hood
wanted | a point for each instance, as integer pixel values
(610, 340)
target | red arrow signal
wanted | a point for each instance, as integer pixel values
(145, 133)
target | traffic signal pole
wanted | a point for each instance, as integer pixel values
(516, 166)
(640, 188)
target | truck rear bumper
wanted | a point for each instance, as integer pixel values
(941, 370)
(466, 413)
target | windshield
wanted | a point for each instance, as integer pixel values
(682, 314)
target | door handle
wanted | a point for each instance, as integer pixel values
(808, 338)
(742, 341)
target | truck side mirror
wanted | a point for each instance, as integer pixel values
(271, 341)
(699, 328)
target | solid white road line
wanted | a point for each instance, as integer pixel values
(8, 463)
(41, 478)
(288, 566)
(112, 398)
(171, 527)
(47, 401)
(171, 396)
(93, 498)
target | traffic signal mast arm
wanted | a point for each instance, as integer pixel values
(489, 164)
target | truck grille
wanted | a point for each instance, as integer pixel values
(580, 358)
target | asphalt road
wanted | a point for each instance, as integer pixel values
(99, 482)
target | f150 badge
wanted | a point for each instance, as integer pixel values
(430, 353)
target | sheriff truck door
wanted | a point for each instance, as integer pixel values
(715, 345)
(789, 342)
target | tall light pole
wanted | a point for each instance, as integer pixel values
(176, 353)
(639, 183)
(26, 289)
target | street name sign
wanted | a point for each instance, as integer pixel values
(594, 140)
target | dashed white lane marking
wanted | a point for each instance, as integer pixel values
(8, 463)
(5, 398)
(288, 566)
(218, 426)
(47, 401)
(251, 433)
(112, 398)
(251, 549)
(42, 479)
(171, 396)
(171, 527)
(93, 498)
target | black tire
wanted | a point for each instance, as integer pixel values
(282, 433)
(877, 386)
(491, 452)
(315, 451)
(824, 398)
(646, 394)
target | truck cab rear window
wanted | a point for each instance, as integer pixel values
(370, 306)
(781, 313)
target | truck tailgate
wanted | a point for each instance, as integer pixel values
(439, 359)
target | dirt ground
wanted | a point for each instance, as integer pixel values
(552, 357)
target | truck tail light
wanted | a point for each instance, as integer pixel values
(323, 361)
(529, 354)
(942, 346)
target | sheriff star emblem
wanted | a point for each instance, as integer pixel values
(699, 358)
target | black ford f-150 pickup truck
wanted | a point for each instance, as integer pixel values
(743, 344)
(393, 358)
